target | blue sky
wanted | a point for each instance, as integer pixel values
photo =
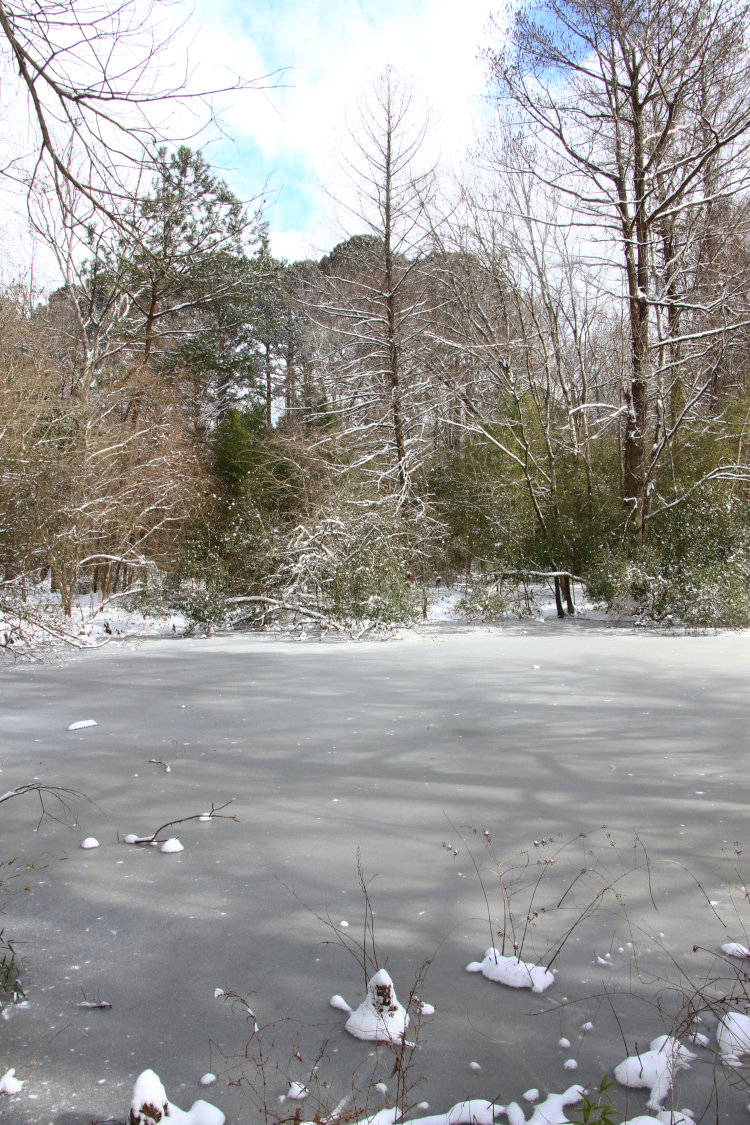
(285, 139)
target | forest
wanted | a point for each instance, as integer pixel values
(538, 367)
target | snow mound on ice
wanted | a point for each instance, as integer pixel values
(733, 1037)
(9, 1084)
(655, 1069)
(171, 845)
(512, 971)
(380, 1016)
(664, 1117)
(83, 723)
(90, 842)
(475, 1111)
(549, 1112)
(734, 949)
(150, 1105)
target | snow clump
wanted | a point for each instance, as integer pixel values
(475, 1111)
(512, 971)
(733, 1037)
(9, 1084)
(149, 1105)
(655, 1069)
(734, 949)
(664, 1117)
(171, 845)
(83, 723)
(90, 842)
(380, 1016)
(550, 1112)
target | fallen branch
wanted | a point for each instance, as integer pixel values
(279, 603)
(214, 814)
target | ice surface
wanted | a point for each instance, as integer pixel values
(655, 1069)
(512, 971)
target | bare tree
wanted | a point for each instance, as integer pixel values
(641, 114)
(372, 300)
(92, 75)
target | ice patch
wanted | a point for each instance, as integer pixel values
(512, 971)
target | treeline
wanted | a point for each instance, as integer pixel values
(544, 368)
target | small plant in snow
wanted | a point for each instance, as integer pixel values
(149, 1105)
(380, 1016)
(10, 970)
(597, 1107)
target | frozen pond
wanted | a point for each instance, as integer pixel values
(401, 753)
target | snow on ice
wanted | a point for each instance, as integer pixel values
(734, 949)
(296, 1092)
(380, 1016)
(655, 1069)
(512, 971)
(733, 1037)
(549, 1112)
(150, 1105)
(9, 1084)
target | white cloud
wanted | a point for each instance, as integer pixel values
(332, 53)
